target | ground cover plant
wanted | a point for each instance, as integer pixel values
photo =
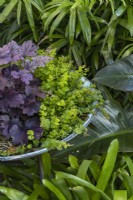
(42, 99)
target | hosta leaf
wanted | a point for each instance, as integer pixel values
(118, 75)
(13, 194)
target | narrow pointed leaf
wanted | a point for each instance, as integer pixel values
(130, 19)
(107, 168)
(13, 194)
(57, 21)
(72, 25)
(19, 11)
(7, 10)
(85, 25)
(81, 193)
(54, 189)
(29, 12)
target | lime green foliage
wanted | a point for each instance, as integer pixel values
(67, 102)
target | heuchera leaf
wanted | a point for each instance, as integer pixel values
(34, 124)
(15, 51)
(37, 62)
(24, 75)
(31, 108)
(10, 99)
(29, 49)
(4, 55)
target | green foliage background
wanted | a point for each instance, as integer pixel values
(94, 33)
(91, 32)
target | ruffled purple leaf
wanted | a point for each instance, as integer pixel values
(24, 75)
(6, 72)
(31, 108)
(32, 92)
(34, 124)
(5, 55)
(38, 61)
(18, 134)
(3, 83)
(29, 49)
(10, 99)
(4, 125)
(15, 51)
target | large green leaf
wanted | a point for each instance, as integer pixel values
(118, 75)
(101, 132)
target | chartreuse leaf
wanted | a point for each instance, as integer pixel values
(13, 194)
(120, 195)
(7, 10)
(107, 168)
(118, 75)
(54, 189)
(85, 24)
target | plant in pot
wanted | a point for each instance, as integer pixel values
(42, 99)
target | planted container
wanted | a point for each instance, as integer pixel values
(44, 101)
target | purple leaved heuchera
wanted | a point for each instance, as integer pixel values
(29, 49)
(24, 75)
(20, 93)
